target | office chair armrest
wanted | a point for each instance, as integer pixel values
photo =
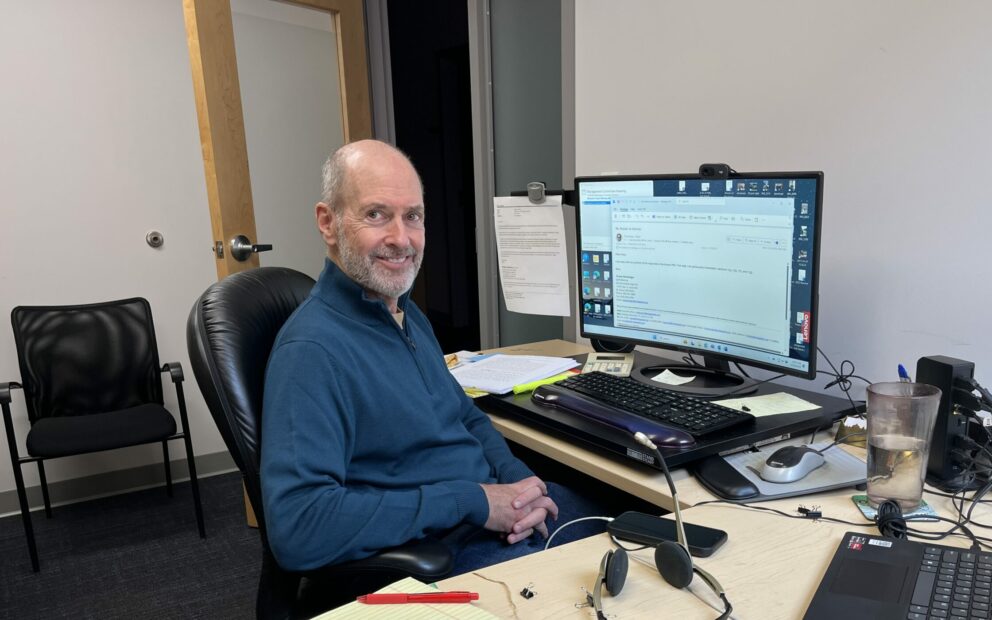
(5, 389)
(175, 370)
(427, 560)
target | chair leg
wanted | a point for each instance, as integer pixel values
(22, 496)
(193, 483)
(168, 467)
(44, 489)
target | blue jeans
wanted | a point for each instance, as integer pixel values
(480, 547)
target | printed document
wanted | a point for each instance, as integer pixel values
(498, 374)
(530, 244)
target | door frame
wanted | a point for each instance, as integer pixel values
(210, 38)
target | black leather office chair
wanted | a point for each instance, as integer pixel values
(230, 333)
(91, 382)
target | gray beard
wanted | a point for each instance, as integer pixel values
(364, 269)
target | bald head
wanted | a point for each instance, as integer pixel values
(351, 160)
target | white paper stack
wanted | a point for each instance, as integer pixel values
(498, 374)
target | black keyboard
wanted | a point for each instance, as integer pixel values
(953, 583)
(696, 416)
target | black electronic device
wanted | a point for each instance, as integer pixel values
(648, 529)
(720, 264)
(944, 470)
(655, 404)
(872, 577)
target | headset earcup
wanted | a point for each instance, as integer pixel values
(616, 572)
(673, 563)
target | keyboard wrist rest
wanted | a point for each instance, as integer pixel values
(663, 436)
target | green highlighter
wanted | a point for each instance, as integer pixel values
(523, 388)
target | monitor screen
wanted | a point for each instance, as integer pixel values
(722, 267)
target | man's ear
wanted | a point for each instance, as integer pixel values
(326, 223)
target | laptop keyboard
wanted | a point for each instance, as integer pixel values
(697, 417)
(953, 583)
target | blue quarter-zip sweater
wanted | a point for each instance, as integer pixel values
(367, 440)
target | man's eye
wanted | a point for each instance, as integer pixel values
(415, 217)
(374, 215)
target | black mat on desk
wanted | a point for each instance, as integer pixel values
(135, 555)
(591, 433)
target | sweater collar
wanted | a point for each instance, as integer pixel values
(337, 290)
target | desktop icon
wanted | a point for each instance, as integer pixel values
(606, 259)
(585, 257)
(585, 274)
(681, 186)
(792, 185)
(804, 208)
(801, 255)
(606, 292)
(800, 316)
(586, 290)
(598, 307)
(595, 275)
(741, 186)
(595, 258)
(802, 275)
(606, 275)
(799, 337)
(704, 186)
(729, 187)
(803, 231)
(596, 292)
(608, 308)
(587, 308)
(778, 187)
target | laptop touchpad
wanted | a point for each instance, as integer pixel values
(870, 580)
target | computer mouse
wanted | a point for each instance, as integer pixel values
(790, 464)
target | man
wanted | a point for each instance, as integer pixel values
(367, 440)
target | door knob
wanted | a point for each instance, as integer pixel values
(242, 248)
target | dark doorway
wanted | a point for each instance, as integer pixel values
(432, 111)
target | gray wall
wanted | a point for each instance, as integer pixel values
(527, 131)
(890, 99)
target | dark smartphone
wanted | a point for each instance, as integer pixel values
(650, 530)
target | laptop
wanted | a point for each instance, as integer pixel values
(871, 577)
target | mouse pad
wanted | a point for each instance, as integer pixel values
(840, 469)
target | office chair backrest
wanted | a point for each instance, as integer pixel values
(77, 360)
(230, 333)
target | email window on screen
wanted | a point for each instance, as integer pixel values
(716, 268)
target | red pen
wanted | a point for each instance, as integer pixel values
(425, 597)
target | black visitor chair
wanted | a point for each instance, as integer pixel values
(230, 333)
(91, 380)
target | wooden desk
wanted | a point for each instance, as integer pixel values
(770, 566)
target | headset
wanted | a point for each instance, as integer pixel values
(672, 559)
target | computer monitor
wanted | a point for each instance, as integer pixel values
(722, 267)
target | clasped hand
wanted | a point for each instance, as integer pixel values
(519, 509)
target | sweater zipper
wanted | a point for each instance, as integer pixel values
(412, 347)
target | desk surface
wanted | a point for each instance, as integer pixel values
(770, 566)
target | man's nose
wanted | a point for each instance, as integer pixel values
(397, 233)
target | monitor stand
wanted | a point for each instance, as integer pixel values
(712, 380)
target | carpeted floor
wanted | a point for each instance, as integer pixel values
(136, 555)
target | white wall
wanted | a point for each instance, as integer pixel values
(100, 145)
(891, 99)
